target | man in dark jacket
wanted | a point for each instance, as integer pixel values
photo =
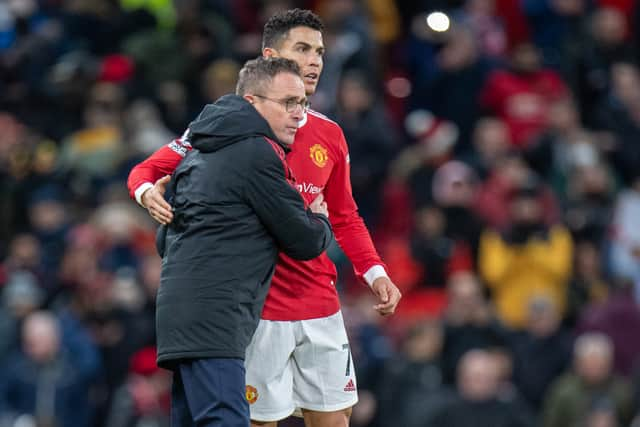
(235, 208)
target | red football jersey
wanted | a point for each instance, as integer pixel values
(319, 160)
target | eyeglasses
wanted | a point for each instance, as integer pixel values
(289, 104)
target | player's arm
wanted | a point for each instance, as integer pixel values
(352, 234)
(148, 179)
(299, 232)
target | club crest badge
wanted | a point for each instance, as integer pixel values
(251, 393)
(319, 155)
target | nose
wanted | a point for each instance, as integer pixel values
(297, 113)
(314, 59)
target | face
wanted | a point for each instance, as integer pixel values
(464, 293)
(303, 45)
(526, 58)
(284, 87)
(594, 367)
(491, 138)
(526, 210)
(40, 338)
(478, 376)
(425, 344)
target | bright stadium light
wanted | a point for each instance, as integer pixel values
(438, 22)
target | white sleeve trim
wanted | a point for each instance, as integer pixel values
(140, 191)
(374, 273)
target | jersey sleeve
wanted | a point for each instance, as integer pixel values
(163, 162)
(348, 227)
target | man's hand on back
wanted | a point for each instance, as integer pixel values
(319, 206)
(153, 200)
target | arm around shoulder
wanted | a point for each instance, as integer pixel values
(299, 233)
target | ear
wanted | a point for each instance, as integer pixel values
(249, 98)
(269, 52)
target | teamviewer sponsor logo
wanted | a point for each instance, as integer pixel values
(309, 188)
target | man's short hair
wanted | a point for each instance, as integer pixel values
(277, 27)
(591, 343)
(259, 72)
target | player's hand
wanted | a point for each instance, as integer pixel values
(319, 206)
(388, 295)
(153, 200)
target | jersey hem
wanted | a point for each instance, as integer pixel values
(284, 316)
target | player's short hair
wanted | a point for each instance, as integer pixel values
(278, 26)
(259, 72)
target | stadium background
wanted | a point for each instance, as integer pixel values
(495, 157)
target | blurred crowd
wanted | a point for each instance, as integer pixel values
(495, 156)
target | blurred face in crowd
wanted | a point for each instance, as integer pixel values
(220, 78)
(490, 138)
(105, 105)
(625, 83)
(47, 215)
(424, 341)
(22, 8)
(480, 7)
(454, 185)
(478, 376)
(526, 209)
(609, 26)
(563, 116)
(466, 303)
(568, 7)
(354, 96)
(41, 337)
(459, 51)
(588, 260)
(24, 251)
(430, 222)
(281, 105)
(525, 58)
(511, 169)
(602, 418)
(303, 45)
(593, 359)
(591, 182)
(543, 317)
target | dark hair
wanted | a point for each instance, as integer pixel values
(260, 71)
(279, 25)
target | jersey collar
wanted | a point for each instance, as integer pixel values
(303, 121)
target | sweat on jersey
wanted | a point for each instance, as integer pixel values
(319, 160)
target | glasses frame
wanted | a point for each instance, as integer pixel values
(288, 104)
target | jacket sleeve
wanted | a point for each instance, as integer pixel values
(163, 162)
(351, 233)
(299, 233)
(496, 259)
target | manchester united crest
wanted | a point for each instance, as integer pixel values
(251, 394)
(318, 155)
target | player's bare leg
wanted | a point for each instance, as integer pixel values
(326, 419)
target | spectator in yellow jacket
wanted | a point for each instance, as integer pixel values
(529, 259)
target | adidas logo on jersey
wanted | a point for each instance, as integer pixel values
(350, 386)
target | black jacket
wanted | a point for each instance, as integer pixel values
(235, 208)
